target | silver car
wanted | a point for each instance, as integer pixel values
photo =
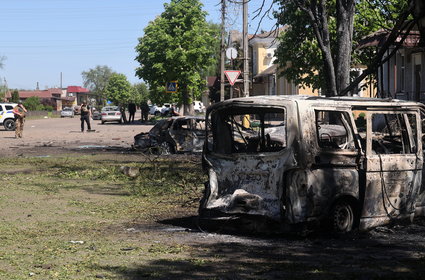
(67, 112)
(111, 114)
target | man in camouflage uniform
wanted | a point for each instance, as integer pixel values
(19, 112)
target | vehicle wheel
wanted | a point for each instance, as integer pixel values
(9, 124)
(165, 148)
(120, 121)
(157, 114)
(102, 122)
(342, 217)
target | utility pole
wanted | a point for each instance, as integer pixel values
(222, 49)
(245, 49)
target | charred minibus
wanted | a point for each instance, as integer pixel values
(350, 162)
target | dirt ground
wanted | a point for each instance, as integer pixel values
(178, 247)
(52, 135)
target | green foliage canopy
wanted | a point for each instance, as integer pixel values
(96, 80)
(298, 53)
(33, 103)
(118, 89)
(177, 45)
(139, 93)
(15, 96)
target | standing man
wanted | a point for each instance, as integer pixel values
(85, 116)
(132, 111)
(145, 111)
(19, 112)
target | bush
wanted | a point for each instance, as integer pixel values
(33, 104)
(48, 108)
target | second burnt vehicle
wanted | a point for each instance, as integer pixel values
(290, 160)
(173, 135)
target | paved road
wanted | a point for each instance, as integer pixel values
(58, 132)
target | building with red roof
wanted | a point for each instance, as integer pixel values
(56, 97)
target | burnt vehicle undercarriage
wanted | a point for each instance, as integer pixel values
(305, 160)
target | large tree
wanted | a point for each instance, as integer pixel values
(318, 44)
(118, 90)
(139, 93)
(96, 80)
(177, 46)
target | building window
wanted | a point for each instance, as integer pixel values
(402, 73)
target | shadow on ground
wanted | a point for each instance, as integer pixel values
(393, 252)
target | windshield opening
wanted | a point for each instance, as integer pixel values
(247, 130)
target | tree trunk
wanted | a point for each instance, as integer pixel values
(319, 20)
(345, 18)
(419, 15)
(185, 94)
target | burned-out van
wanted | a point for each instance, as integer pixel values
(350, 162)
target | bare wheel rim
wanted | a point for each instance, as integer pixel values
(343, 217)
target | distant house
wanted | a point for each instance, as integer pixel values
(401, 76)
(52, 96)
(265, 75)
(79, 93)
(56, 97)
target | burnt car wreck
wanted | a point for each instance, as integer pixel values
(173, 135)
(344, 162)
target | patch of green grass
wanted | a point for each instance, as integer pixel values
(66, 217)
(160, 249)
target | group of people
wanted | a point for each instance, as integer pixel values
(132, 108)
(20, 111)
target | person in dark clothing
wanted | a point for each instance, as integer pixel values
(85, 116)
(131, 111)
(144, 107)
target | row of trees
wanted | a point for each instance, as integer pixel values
(106, 84)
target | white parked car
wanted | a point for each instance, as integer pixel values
(111, 114)
(67, 112)
(198, 107)
(165, 108)
(7, 118)
(154, 110)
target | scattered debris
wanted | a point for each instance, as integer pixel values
(383, 230)
(130, 171)
(76, 242)
(92, 147)
(48, 144)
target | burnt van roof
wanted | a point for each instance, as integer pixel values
(344, 101)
